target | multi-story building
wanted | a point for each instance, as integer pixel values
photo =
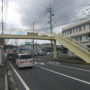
(79, 32)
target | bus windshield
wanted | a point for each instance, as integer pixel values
(25, 56)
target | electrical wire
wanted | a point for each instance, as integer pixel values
(43, 21)
(64, 18)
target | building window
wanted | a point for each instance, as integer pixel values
(65, 33)
(84, 27)
(73, 30)
(83, 38)
(80, 38)
(70, 32)
(89, 26)
(86, 37)
(79, 28)
(76, 29)
(76, 38)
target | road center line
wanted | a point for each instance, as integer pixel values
(74, 68)
(22, 81)
(65, 75)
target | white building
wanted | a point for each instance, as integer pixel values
(79, 32)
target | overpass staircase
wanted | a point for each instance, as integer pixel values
(75, 47)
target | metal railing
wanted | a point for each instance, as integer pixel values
(42, 33)
(78, 43)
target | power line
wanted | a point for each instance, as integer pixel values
(70, 10)
(61, 15)
(62, 23)
(70, 17)
(43, 19)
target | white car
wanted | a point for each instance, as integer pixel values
(24, 60)
(48, 53)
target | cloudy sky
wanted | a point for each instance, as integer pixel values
(20, 14)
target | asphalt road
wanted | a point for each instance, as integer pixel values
(50, 75)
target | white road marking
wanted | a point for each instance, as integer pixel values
(73, 68)
(22, 81)
(35, 63)
(42, 63)
(65, 75)
(54, 63)
(39, 63)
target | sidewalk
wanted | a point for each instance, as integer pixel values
(2, 78)
(70, 59)
(61, 58)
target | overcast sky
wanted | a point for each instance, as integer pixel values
(20, 14)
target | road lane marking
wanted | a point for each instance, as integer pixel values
(39, 63)
(54, 63)
(22, 81)
(74, 68)
(65, 75)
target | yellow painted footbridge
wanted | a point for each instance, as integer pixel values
(69, 43)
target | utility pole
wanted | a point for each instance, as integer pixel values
(2, 41)
(51, 15)
(33, 26)
(33, 39)
(2, 23)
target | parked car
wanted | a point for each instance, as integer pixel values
(42, 53)
(48, 53)
(24, 60)
(10, 56)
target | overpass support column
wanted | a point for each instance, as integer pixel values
(54, 56)
(1, 42)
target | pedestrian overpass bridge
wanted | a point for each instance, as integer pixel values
(69, 43)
